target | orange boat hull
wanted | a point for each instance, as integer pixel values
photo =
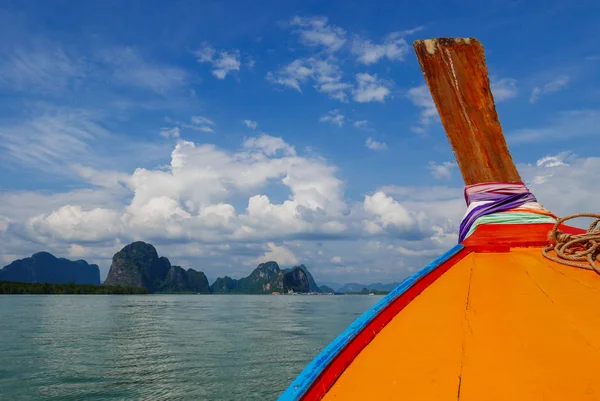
(490, 320)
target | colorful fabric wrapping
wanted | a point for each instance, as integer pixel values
(493, 191)
(501, 203)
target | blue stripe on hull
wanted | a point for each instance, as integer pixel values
(302, 383)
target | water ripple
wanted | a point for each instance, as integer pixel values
(163, 347)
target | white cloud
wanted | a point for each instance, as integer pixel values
(550, 87)
(417, 252)
(442, 208)
(428, 216)
(504, 89)
(192, 202)
(170, 133)
(564, 188)
(23, 205)
(553, 161)
(9, 257)
(540, 179)
(202, 128)
(189, 199)
(546, 164)
(48, 69)
(374, 145)
(198, 123)
(71, 223)
(49, 139)
(394, 48)
(223, 62)
(205, 54)
(292, 75)
(328, 79)
(370, 88)
(361, 123)
(316, 32)
(43, 68)
(269, 145)
(200, 120)
(280, 254)
(333, 117)
(420, 194)
(442, 171)
(250, 124)
(411, 31)
(4, 222)
(388, 213)
(77, 251)
(262, 214)
(336, 259)
(323, 69)
(421, 97)
(226, 63)
(325, 75)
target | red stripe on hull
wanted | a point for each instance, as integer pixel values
(502, 237)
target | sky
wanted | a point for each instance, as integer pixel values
(234, 132)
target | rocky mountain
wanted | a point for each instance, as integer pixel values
(44, 267)
(181, 280)
(267, 278)
(312, 285)
(296, 280)
(138, 265)
(224, 285)
(197, 281)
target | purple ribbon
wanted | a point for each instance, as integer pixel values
(500, 203)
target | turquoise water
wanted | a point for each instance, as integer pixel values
(163, 347)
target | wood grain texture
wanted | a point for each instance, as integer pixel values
(457, 76)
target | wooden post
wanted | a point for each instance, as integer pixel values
(457, 77)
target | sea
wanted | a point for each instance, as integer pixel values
(164, 347)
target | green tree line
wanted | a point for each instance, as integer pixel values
(11, 287)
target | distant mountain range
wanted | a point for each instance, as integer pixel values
(357, 287)
(268, 278)
(138, 265)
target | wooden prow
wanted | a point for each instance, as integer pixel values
(457, 77)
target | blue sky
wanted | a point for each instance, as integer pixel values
(231, 133)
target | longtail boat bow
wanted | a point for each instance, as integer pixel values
(492, 318)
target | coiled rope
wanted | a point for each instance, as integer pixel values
(578, 250)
